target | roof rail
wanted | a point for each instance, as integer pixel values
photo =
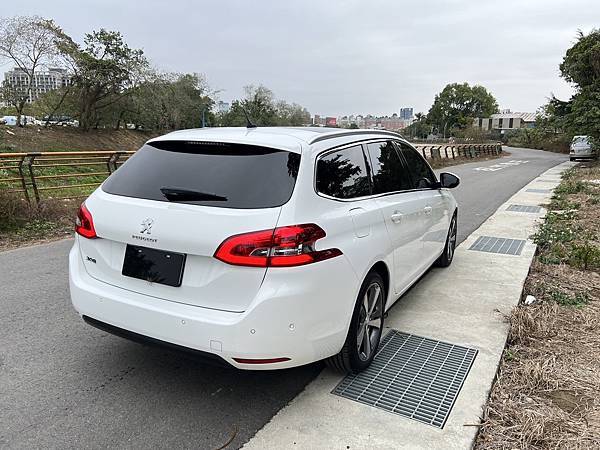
(334, 135)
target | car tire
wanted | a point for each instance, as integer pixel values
(356, 356)
(571, 159)
(447, 256)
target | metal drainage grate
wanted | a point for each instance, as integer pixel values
(503, 246)
(539, 191)
(524, 208)
(413, 376)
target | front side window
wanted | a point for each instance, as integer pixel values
(389, 174)
(343, 174)
(421, 174)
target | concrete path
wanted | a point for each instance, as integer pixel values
(464, 304)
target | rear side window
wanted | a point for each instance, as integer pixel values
(389, 174)
(343, 174)
(208, 173)
(421, 174)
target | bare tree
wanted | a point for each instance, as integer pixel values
(30, 44)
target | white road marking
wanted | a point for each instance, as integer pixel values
(502, 165)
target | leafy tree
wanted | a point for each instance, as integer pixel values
(581, 64)
(559, 120)
(30, 44)
(55, 103)
(170, 101)
(458, 104)
(291, 114)
(419, 129)
(259, 102)
(105, 70)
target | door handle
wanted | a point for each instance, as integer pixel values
(428, 210)
(396, 217)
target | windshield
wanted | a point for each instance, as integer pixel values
(580, 140)
(208, 173)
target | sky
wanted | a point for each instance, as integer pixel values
(345, 57)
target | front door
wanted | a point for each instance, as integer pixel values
(402, 211)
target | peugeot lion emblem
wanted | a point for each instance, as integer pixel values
(147, 226)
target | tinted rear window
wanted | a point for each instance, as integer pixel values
(389, 174)
(222, 175)
(343, 174)
(580, 140)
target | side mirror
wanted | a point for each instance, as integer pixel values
(449, 180)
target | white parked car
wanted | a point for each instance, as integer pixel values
(581, 148)
(263, 247)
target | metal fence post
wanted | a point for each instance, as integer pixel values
(112, 162)
(22, 176)
(30, 160)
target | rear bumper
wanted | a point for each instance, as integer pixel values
(573, 154)
(299, 313)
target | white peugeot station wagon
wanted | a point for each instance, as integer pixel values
(266, 248)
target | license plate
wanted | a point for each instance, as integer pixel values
(156, 266)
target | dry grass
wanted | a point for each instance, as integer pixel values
(547, 390)
(40, 139)
(21, 224)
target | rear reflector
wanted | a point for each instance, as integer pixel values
(260, 361)
(281, 247)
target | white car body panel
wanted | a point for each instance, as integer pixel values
(581, 147)
(302, 313)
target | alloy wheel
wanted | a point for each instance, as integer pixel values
(370, 321)
(452, 240)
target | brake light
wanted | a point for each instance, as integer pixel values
(281, 247)
(84, 224)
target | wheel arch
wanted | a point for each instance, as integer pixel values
(381, 268)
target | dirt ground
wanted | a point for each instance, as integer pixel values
(39, 139)
(547, 391)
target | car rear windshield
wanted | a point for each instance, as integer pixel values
(208, 173)
(580, 140)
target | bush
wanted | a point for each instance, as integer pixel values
(585, 256)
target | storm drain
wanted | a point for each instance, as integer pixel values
(539, 191)
(524, 208)
(412, 376)
(503, 246)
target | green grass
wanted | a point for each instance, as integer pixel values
(576, 300)
(560, 239)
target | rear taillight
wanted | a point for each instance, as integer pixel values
(84, 224)
(282, 247)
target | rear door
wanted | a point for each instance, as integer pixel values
(402, 210)
(433, 200)
(186, 198)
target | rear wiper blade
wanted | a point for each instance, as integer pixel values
(175, 194)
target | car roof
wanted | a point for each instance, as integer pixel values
(284, 138)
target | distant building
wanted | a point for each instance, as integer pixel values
(505, 120)
(406, 113)
(330, 121)
(223, 107)
(43, 81)
(318, 120)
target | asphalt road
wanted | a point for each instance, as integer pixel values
(64, 384)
